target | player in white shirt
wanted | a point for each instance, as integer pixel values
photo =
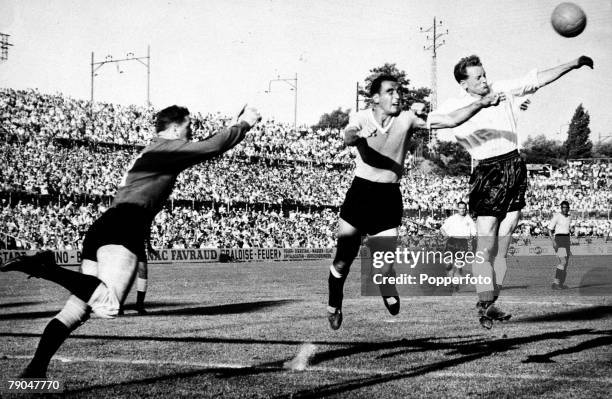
(459, 228)
(559, 231)
(498, 183)
(373, 204)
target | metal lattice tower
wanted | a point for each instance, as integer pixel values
(433, 45)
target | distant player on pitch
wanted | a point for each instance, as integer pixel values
(559, 231)
(498, 183)
(373, 204)
(116, 240)
(459, 230)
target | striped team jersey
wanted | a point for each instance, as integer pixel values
(382, 160)
(151, 176)
(560, 224)
(492, 131)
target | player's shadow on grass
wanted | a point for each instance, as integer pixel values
(17, 304)
(587, 313)
(232, 308)
(515, 287)
(50, 313)
(468, 350)
(593, 343)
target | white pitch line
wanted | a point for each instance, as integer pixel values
(340, 370)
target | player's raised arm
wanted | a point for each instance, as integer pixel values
(228, 138)
(182, 153)
(455, 118)
(550, 75)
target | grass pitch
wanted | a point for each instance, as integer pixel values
(230, 330)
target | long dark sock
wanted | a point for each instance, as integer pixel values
(336, 288)
(52, 338)
(348, 247)
(140, 297)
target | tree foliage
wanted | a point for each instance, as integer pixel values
(578, 143)
(337, 119)
(409, 95)
(541, 150)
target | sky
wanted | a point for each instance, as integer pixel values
(215, 55)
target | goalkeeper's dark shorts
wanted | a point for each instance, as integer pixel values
(128, 225)
(372, 207)
(498, 185)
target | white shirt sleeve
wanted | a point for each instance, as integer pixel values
(527, 84)
(553, 222)
(446, 107)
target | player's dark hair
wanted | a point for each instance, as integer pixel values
(461, 203)
(377, 82)
(172, 114)
(461, 67)
(565, 203)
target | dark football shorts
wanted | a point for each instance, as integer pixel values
(563, 244)
(372, 207)
(498, 185)
(125, 224)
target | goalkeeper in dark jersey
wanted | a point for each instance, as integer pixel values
(116, 241)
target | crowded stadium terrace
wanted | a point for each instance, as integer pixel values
(63, 158)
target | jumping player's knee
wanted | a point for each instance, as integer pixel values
(104, 302)
(348, 247)
(89, 267)
(116, 269)
(74, 313)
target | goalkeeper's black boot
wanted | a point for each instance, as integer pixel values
(39, 265)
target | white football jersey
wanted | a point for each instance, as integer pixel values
(493, 131)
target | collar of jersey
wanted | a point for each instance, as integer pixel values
(378, 127)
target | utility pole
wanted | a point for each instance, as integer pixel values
(4, 46)
(146, 61)
(357, 95)
(433, 43)
(293, 82)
